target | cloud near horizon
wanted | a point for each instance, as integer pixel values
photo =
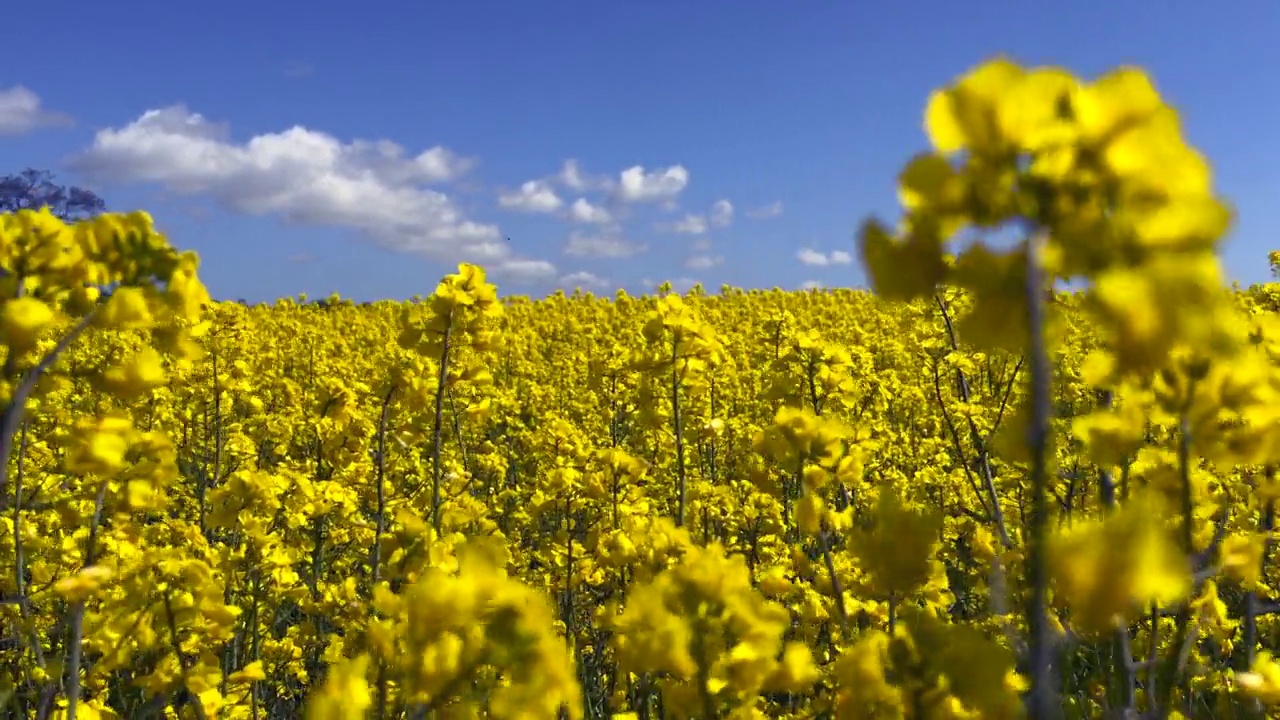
(22, 111)
(382, 192)
(309, 177)
(816, 258)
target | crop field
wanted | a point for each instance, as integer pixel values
(957, 494)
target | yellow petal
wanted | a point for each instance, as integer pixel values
(1031, 112)
(928, 179)
(942, 123)
(1117, 97)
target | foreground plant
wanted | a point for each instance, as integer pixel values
(1096, 179)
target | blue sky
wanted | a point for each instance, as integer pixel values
(367, 148)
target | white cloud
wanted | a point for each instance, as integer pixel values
(637, 186)
(573, 177)
(812, 285)
(771, 210)
(689, 225)
(307, 177)
(608, 244)
(703, 262)
(721, 213)
(701, 245)
(809, 256)
(584, 212)
(520, 271)
(535, 196)
(583, 280)
(22, 111)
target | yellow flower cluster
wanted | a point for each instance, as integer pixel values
(973, 495)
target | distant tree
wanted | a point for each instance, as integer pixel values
(35, 188)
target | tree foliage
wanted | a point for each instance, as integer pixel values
(34, 189)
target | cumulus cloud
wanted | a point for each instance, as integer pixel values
(607, 244)
(771, 210)
(522, 271)
(584, 212)
(812, 285)
(703, 262)
(573, 177)
(307, 177)
(536, 196)
(809, 256)
(22, 111)
(583, 280)
(721, 213)
(688, 225)
(720, 216)
(635, 185)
